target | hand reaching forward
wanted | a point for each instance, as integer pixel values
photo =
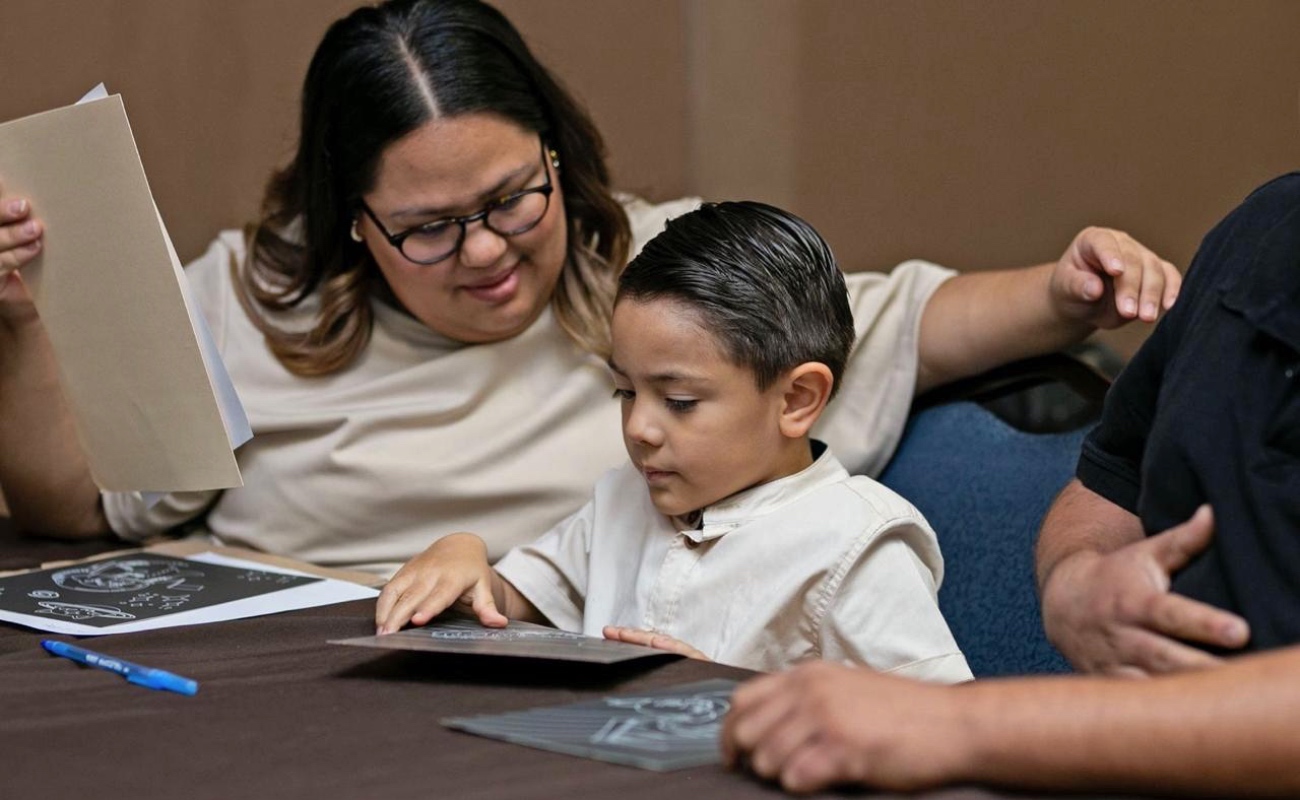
(1107, 278)
(453, 571)
(1113, 613)
(823, 724)
(658, 641)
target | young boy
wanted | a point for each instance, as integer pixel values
(731, 534)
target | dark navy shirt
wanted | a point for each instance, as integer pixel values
(1208, 412)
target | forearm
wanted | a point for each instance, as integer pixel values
(1081, 520)
(1228, 731)
(43, 468)
(977, 321)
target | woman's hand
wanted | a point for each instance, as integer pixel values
(1106, 278)
(980, 320)
(453, 571)
(658, 641)
(20, 242)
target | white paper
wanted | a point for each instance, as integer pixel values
(324, 592)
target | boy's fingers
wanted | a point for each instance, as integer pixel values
(485, 608)
(387, 599)
(659, 641)
(629, 635)
(433, 602)
(408, 603)
(401, 610)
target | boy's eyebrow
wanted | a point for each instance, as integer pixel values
(663, 377)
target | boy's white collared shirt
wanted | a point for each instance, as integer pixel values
(819, 564)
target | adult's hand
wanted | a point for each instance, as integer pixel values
(1107, 278)
(1113, 613)
(979, 320)
(822, 724)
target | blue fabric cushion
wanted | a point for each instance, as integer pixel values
(985, 487)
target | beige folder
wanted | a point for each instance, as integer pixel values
(107, 285)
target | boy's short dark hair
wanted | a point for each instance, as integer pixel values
(765, 283)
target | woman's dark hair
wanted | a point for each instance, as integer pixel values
(379, 74)
(763, 281)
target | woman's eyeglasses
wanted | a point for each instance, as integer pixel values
(507, 216)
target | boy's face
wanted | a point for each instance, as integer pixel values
(694, 423)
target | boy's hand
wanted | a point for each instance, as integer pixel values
(453, 571)
(1107, 278)
(658, 641)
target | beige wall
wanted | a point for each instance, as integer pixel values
(974, 133)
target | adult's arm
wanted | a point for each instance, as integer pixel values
(1105, 587)
(43, 470)
(1233, 731)
(980, 320)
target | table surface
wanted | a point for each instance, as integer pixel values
(281, 713)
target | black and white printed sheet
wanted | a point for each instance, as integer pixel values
(452, 633)
(141, 591)
(661, 729)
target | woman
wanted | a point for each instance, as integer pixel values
(418, 325)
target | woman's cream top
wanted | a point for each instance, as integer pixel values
(423, 436)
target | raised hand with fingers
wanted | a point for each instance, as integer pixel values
(453, 571)
(1114, 613)
(21, 240)
(659, 641)
(1107, 278)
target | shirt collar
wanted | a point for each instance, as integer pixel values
(731, 512)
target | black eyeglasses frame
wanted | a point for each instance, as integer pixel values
(398, 239)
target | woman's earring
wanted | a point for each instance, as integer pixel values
(555, 159)
(355, 234)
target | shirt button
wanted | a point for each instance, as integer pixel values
(1290, 373)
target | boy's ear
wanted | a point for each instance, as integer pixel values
(807, 389)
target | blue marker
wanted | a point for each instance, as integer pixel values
(140, 676)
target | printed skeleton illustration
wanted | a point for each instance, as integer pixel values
(659, 721)
(126, 576)
(79, 611)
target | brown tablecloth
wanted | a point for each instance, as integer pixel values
(282, 714)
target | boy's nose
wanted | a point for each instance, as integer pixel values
(640, 428)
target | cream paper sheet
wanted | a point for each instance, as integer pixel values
(111, 294)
